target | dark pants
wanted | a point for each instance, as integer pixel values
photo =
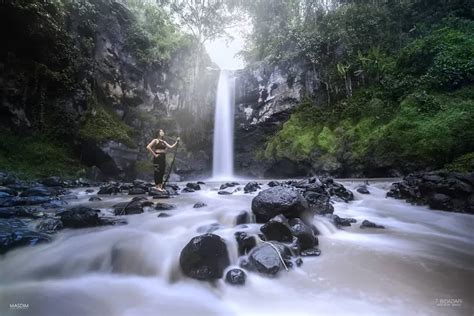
(159, 164)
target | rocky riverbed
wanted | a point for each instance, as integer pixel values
(214, 248)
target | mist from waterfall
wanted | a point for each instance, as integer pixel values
(223, 151)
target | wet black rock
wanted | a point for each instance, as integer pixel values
(68, 197)
(272, 184)
(36, 191)
(226, 185)
(164, 206)
(266, 258)
(311, 252)
(94, 198)
(53, 182)
(137, 191)
(276, 231)
(7, 192)
(90, 191)
(134, 206)
(362, 189)
(319, 203)
(18, 201)
(199, 205)
(303, 233)
(369, 224)
(48, 225)
(208, 228)
(158, 194)
(338, 190)
(235, 277)
(19, 211)
(242, 218)
(187, 190)
(341, 221)
(245, 242)
(447, 191)
(251, 187)
(164, 215)
(200, 182)
(194, 186)
(15, 233)
(80, 217)
(111, 188)
(278, 200)
(205, 257)
(224, 193)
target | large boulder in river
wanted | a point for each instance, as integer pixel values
(80, 217)
(205, 257)
(278, 200)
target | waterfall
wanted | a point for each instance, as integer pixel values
(223, 151)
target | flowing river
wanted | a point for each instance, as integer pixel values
(422, 263)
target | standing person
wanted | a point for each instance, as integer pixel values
(158, 148)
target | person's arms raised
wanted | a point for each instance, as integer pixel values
(174, 145)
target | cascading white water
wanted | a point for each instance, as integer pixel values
(420, 260)
(223, 151)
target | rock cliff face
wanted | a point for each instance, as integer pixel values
(106, 69)
(265, 97)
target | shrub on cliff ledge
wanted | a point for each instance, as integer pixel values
(103, 124)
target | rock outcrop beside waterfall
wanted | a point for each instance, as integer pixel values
(105, 81)
(265, 96)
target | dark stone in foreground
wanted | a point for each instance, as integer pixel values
(164, 206)
(205, 257)
(277, 231)
(235, 277)
(199, 205)
(251, 187)
(319, 203)
(303, 233)
(369, 224)
(245, 243)
(49, 225)
(80, 217)
(362, 189)
(193, 186)
(266, 258)
(19, 211)
(224, 193)
(341, 221)
(109, 189)
(242, 218)
(278, 200)
(137, 191)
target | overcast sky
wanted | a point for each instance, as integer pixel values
(223, 52)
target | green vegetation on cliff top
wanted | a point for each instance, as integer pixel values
(401, 96)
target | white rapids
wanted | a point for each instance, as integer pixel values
(420, 264)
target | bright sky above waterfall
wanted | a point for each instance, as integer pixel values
(223, 51)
